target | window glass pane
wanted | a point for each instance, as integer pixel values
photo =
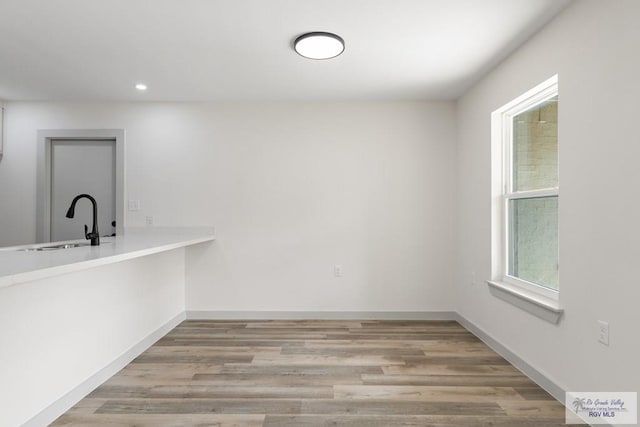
(535, 147)
(533, 240)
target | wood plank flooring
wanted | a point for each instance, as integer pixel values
(318, 373)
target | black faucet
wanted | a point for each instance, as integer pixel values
(94, 236)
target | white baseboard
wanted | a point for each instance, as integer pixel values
(320, 315)
(536, 376)
(62, 405)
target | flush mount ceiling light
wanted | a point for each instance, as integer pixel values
(319, 45)
(141, 87)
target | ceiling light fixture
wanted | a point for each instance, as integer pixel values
(319, 45)
(141, 87)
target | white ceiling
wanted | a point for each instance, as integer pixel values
(241, 50)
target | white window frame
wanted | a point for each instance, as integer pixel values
(502, 193)
(1, 129)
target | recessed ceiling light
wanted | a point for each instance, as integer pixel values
(319, 45)
(141, 87)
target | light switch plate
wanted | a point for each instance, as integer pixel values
(133, 205)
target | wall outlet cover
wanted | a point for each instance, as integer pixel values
(337, 270)
(603, 332)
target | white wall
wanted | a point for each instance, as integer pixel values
(292, 189)
(57, 332)
(593, 47)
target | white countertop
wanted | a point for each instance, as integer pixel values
(22, 266)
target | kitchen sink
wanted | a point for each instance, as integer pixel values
(53, 247)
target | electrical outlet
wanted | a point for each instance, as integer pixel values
(337, 270)
(149, 220)
(603, 332)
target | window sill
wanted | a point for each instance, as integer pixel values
(542, 307)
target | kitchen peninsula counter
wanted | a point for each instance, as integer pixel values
(19, 266)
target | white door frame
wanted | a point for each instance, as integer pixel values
(43, 194)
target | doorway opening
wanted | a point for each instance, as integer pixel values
(72, 162)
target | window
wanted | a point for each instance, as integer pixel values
(526, 191)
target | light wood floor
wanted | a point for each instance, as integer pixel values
(318, 373)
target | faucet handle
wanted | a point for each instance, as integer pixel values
(86, 232)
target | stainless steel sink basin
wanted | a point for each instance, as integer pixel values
(53, 247)
(65, 246)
